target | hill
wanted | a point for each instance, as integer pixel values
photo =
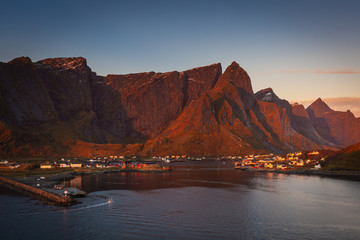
(347, 159)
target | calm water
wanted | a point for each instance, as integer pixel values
(201, 202)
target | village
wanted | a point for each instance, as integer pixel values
(42, 177)
(111, 162)
(290, 161)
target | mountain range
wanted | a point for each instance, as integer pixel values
(59, 107)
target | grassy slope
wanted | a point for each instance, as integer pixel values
(345, 159)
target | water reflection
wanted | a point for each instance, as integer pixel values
(178, 178)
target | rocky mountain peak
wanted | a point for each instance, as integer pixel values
(318, 107)
(267, 95)
(20, 60)
(350, 114)
(267, 90)
(216, 67)
(299, 110)
(74, 63)
(237, 76)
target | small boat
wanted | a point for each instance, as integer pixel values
(110, 200)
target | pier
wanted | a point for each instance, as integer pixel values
(49, 197)
(69, 191)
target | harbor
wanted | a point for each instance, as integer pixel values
(68, 191)
(48, 197)
(44, 183)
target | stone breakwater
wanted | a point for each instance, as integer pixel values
(50, 198)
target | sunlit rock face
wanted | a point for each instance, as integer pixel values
(306, 136)
(341, 128)
(152, 100)
(59, 106)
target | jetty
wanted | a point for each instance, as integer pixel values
(49, 197)
(69, 191)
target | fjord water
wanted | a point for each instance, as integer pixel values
(194, 201)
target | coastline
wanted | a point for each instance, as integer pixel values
(38, 184)
(53, 178)
(354, 175)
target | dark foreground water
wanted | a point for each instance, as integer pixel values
(202, 202)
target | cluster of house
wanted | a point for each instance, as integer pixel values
(169, 158)
(287, 162)
(7, 164)
(265, 161)
(106, 162)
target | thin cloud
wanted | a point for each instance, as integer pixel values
(340, 71)
(337, 71)
(294, 71)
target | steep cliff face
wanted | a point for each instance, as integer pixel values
(24, 99)
(67, 81)
(107, 104)
(230, 120)
(238, 110)
(49, 93)
(340, 128)
(281, 123)
(152, 100)
(299, 110)
(200, 80)
(302, 124)
(268, 95)
(201, 129)
(236, 76)
(293, 124)
(307, 137)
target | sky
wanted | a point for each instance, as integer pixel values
(302, 49)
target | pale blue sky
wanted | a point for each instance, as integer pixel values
(302, 49)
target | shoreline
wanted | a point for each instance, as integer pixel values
(55, 178)
(354, 175)
(51, 179)
(36, 185)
